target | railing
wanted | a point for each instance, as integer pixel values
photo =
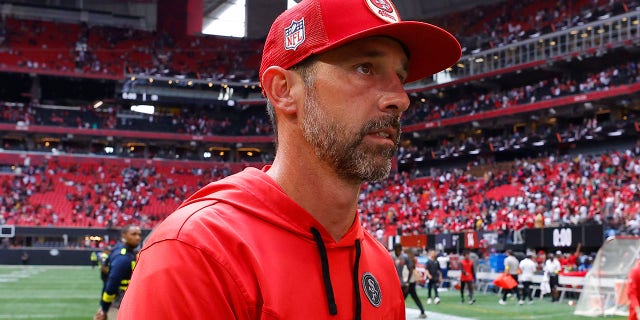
(593, 38)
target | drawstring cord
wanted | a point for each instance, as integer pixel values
(324, 260)
(326, 276)
(356, 283)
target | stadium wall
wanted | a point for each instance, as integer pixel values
(57, 246)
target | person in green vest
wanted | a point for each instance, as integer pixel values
(94, 259)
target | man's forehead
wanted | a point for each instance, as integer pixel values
(372, 47)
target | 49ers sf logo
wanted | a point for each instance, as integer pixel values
(383, 9)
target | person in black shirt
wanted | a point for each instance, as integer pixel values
(432, 269)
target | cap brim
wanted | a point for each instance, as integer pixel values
(431, 49)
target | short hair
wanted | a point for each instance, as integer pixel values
(128, 228)
(306, 69)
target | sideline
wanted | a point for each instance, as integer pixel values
(414, 313)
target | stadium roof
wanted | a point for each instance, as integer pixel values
(228, 16)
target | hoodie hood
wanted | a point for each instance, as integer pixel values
(268, 202)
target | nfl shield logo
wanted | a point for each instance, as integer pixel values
(294, 35)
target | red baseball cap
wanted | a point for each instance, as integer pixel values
(316, 26)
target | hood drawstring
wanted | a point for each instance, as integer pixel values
(326, 276)
(356, 283)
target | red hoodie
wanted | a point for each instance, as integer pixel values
(633, 289)
(240, 248)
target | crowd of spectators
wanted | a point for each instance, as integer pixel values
(205, 121)
(109, 51)
(253, 121)
(98, 195)
(114, 51)
(599, 189)
(495, 25)
(540, 138)
(551, 191)
(478, 100)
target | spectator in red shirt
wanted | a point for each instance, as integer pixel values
(572, 260)
(467, 277)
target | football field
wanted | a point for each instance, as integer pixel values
(49, 292)
(72, 293)
(487, 307)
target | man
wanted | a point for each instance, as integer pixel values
(528, 268)
(633, 291)
(467, 276)
(285, 242)
(409, 280)
(403, 266)
(432, 269)
(120, 266)
(443, 261)
(511, 267)
(552, 268)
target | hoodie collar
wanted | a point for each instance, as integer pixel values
(262, 197)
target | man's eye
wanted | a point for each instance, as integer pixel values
(364, 68)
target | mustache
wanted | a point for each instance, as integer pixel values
(382, 123)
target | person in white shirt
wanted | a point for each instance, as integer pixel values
(443, 261)
(552, 268)
(510, 268)
(528, 268)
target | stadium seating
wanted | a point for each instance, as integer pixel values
(566, 191)
(99, 191)
(95, 192)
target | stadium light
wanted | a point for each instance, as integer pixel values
(143, 108)
(616, 133)
(539, 143)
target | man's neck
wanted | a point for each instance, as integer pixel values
(330, 200)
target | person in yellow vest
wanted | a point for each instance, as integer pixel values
(121, 263)
(94, 259)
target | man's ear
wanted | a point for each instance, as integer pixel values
(280, 87)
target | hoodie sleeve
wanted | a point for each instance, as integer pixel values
(633, 286)
(174, 280)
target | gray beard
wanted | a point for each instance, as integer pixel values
(345, 151)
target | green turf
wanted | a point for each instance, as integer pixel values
(48, 292)
(72, 293)
(487, 307)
